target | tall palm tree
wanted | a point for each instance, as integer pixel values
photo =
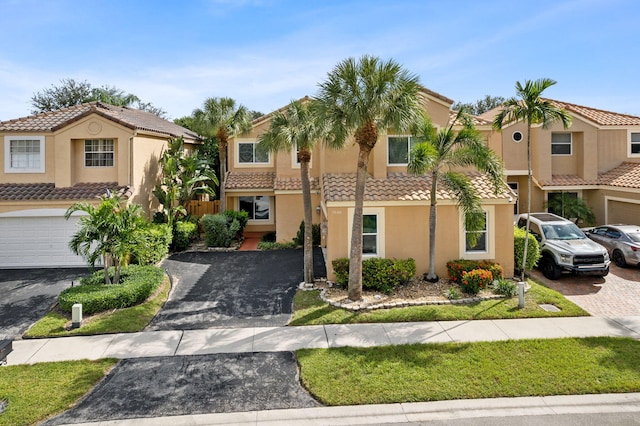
(362, 98)
(439, 153)
(297, 128)
(530, 107)
(220, 117)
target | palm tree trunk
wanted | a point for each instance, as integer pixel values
(526, 239)
(308, 238)
(355, 257)
(431, 275)
(223, 174)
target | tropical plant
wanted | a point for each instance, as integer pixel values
(530, 107)
(220, 117)
(439, 154)
(570, 206)
(480, 106)
(298, 128)
(183, 176)
(363, 98)
(107, 231)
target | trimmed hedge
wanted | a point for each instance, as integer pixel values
(183, 234)
(457, 268)
(378, 274)
(153, 244)
(216, 231)
(533, 249)
(137, 284)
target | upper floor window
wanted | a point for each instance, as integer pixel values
(634, 143)
(252, 153)
(560, 143)
(399, 148)
(24, 154)
(98, 152)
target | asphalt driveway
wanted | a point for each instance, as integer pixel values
(27, 294)
(233, 289)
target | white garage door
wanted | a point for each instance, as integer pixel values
(37, 239)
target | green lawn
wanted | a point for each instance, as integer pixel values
(127, 320)
(411, 373)
(33, 393)
(309, 309)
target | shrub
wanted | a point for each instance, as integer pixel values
(216, 230)
(497, 271)
(456, 268)
(505, 287)
(264, 245)
(183, 234)
(137, 283)
(377, 273)
(452, 294)
(152, 244)
(533, 249)
(241, 216)
(315, 234)
(473, 281)
(269, 237)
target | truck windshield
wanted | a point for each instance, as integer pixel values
(565, 231)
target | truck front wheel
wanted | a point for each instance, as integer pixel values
(549, 268)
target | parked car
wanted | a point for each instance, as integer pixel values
(564, 247)
(622, 241)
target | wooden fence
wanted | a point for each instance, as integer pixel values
(200, 208)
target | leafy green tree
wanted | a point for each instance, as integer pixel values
(480, 106)
(297, 128)
(183, 176)
(529, 106)
(362, 98)
(71, 92)
(569, 206)
(222, 118)
(439, 154)
(108, 231)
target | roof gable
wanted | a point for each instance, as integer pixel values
(129, 117)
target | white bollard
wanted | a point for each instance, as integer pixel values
(521, 285)
(76, 315)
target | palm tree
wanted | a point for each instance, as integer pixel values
(362, 98)
(220, 117)
(438, 154)
(108, 231)
(528, 106)
(297, 128)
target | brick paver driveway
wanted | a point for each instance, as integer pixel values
(617, 294)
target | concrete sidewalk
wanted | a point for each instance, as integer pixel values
(276, 339)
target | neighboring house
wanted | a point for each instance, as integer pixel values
(396, 207)
(596, 159)
(52, 160)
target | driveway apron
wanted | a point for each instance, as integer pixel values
(27, 294)
(232, 289)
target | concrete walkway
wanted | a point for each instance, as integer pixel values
(277, 339)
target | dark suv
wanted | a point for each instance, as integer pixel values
(564, 247)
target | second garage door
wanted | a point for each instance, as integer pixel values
(623, 212)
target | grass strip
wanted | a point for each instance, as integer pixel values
(309, 309)
(412, 373)
(127, 320)
(33, 393)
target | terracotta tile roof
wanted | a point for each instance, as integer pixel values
(437, 95)
(250, 180)
(294, 184)
(626, 175)
(128, 117)
(567, 180)
(598, 116)
(400, 187)
(48, 191)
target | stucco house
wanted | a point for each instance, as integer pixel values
(52, 160)
(396, 205)
(596, 159)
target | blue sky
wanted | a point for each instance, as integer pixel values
(264, 53)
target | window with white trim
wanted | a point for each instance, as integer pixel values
(252, 153)
(258, 207)
(98, 152)
(399, 148)
(370, 234)
(24, 154)
(560, 143)
(481, 244)
(373, 229)
(634, 143)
